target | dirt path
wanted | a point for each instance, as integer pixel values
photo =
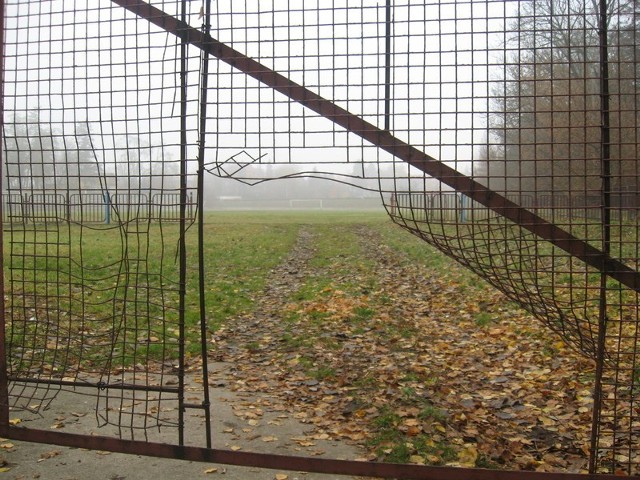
(478, 381)
(248, 340)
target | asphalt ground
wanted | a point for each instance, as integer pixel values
(237, 424)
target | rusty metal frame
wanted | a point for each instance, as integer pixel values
(288, 462)
(4, 381)
(386, 141)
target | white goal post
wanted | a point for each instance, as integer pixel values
(310, 204)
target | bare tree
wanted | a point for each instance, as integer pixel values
(546, 110)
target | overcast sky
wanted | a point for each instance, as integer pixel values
(93, 62)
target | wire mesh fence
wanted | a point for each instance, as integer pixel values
(96, 198)
(505, 133)
(92, 207)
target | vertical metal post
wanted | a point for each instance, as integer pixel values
(107, 207)
(387, 68)
(605, 153)
(4, 380)
(204, 83)
(182, 248)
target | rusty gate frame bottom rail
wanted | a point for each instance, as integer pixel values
(283, 462)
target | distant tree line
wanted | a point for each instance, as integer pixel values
(44, 156)
(545, 113)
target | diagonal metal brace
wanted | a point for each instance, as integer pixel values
(544, 229)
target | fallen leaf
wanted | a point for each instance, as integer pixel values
(47, 455)
(468, 456)
(350, 361)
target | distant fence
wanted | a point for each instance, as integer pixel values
(456, 207)
(93, 207)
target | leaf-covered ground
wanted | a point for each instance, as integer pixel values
(370, 346)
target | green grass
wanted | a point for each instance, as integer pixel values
(96, 280)
(433, 413)
(76, 277)
(392, 445)
(102, 279)
(483, 319)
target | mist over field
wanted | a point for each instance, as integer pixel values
(289, 193)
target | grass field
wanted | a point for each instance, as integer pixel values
(344, 300)
(91, 280)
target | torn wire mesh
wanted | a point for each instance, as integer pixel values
(536, 101)
(92, 200)
(502, 132)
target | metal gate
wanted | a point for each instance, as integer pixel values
(502, 132)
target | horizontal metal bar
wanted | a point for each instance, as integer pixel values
(542, 228)
(283, 462)
(98, 385)
(195, 405)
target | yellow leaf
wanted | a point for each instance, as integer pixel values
(281, 476)
(416, 459)
(294, 361)
(546, 421)
(468, 456)
(14, 421)
(211, 470)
